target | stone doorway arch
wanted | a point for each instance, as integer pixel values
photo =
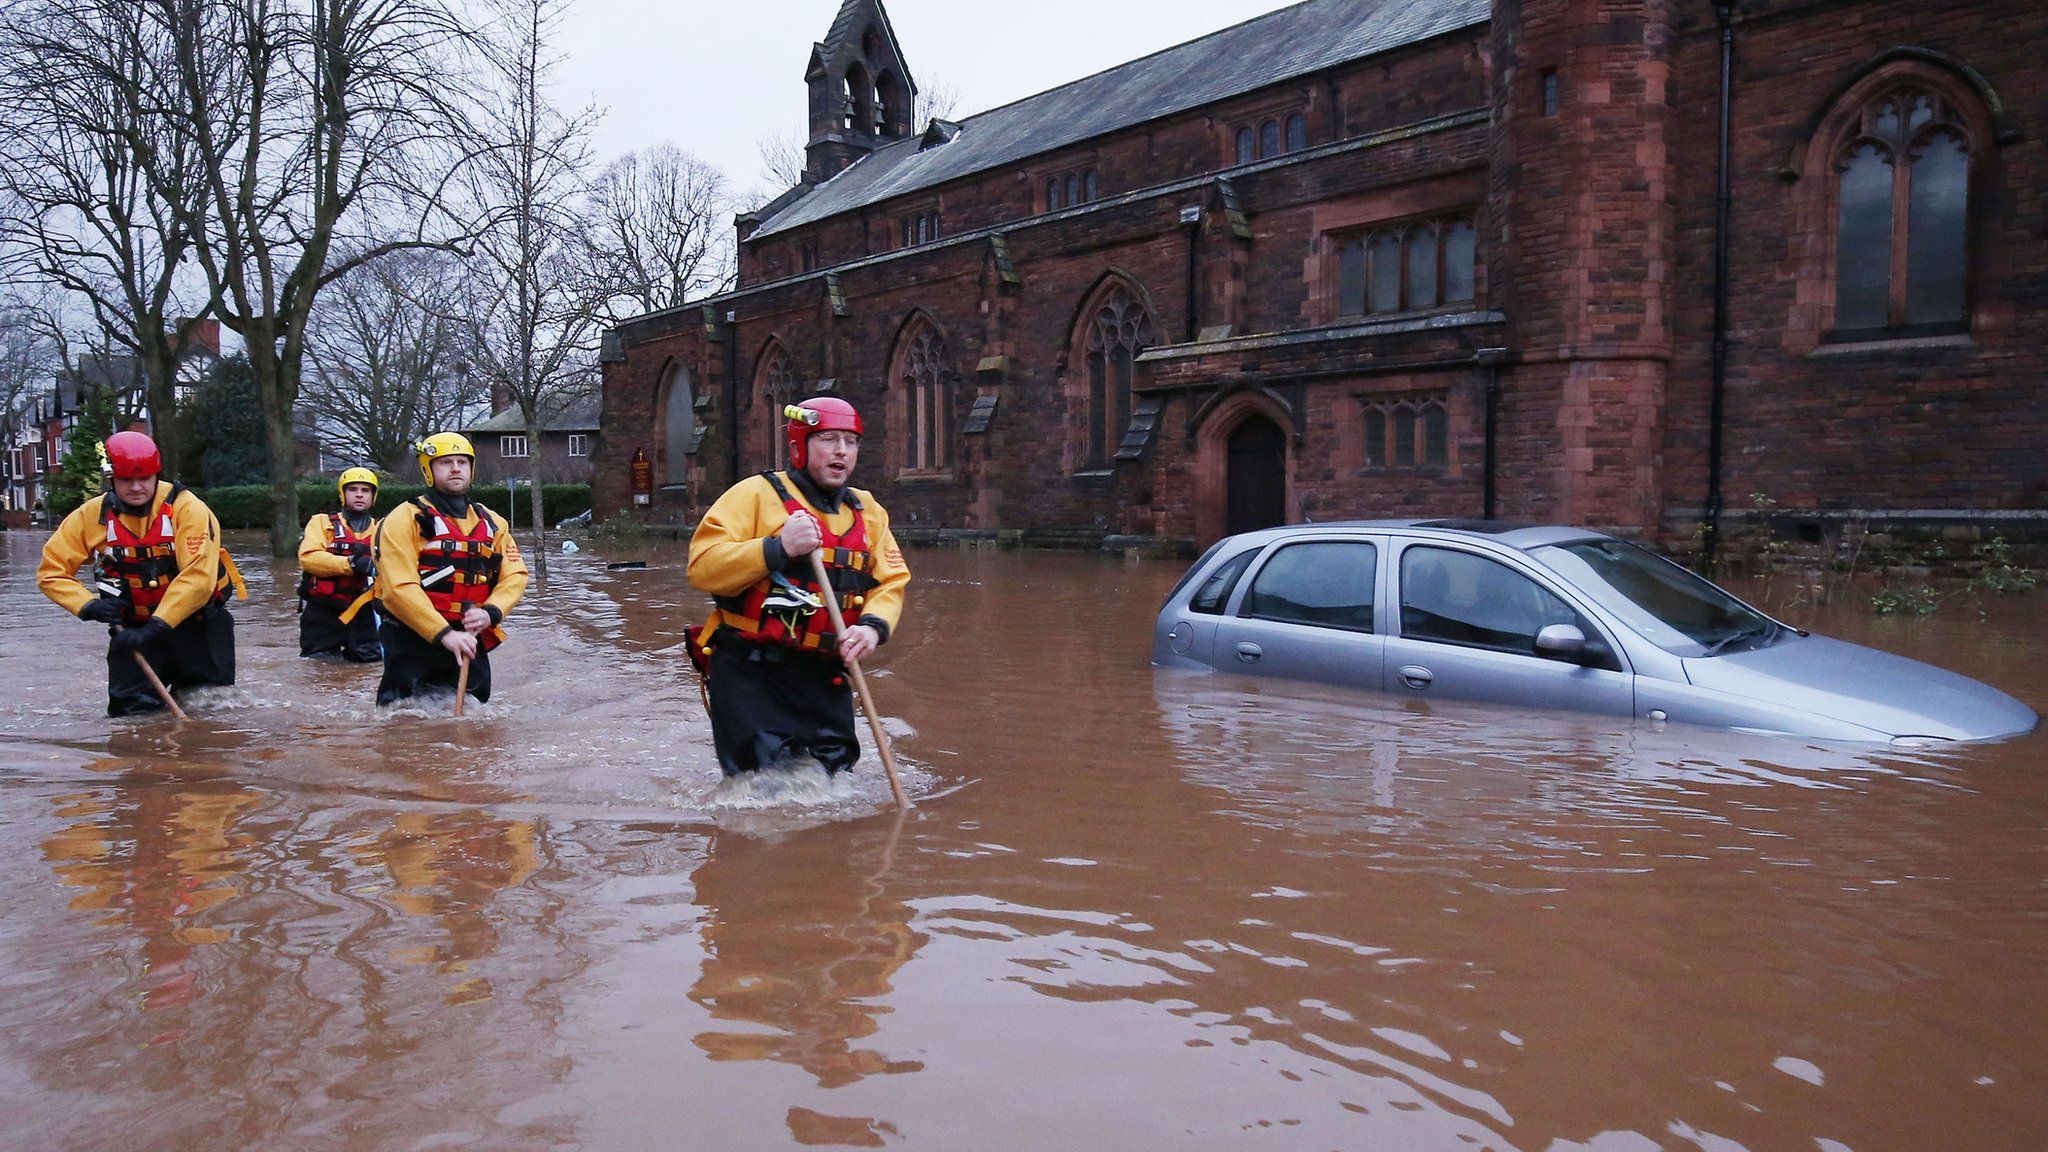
(1255, 476)
(1243, 469)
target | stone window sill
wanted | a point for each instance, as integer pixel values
(1894, 344)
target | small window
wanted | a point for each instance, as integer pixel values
(1549, 81)
(579, 444)
(1458, 598)
(1052, 194)
(512, 447)
(1385, 253)
(1073, 189)
(1269, 139)
(1215, 590)
(1088, 186)
(1327, 585)
(1375, 438)
(1297, 132)
(1436, 436)
(924, 229)
(1245, 146)
(1351, 276)
(909, 232)
(1404, 437)
(1421, 268)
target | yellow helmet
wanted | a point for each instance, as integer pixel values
(438, 445)
(355, 476)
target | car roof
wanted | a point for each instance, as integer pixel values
(1513, 534)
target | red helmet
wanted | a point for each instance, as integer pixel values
(132, 456)
(820, 414)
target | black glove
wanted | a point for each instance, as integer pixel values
(362, 565)
(132, 639)
(105, 610)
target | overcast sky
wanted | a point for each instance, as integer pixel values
(717, 76)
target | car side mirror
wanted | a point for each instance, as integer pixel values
(1561, 642)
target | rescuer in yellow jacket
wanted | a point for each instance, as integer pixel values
(775, 673)
(447, 573)
(336, 568)
(160, 578)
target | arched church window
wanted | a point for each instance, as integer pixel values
(1118, 330)
(775, 385)
(1269, 139)
(926, 373)
(1297, 132)
(1901, 216)
(1052, 195)
(1245, 147)
(679, 419)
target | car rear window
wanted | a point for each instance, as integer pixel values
(1214, 591)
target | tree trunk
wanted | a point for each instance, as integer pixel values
(540, 523)
(280, 446)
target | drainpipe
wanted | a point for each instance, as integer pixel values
(1191, 223)
(732, 398)
(1491, 359)
(1710, 534)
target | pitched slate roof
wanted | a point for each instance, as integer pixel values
(573, 414)
(1266, 50)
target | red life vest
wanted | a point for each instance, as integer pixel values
(786, 608)
(139, 568)
(340, 591)
(459, 569)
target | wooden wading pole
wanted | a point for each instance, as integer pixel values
(162, 692)
(860, 682)
(461, 684)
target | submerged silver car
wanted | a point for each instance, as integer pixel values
(1548, 617)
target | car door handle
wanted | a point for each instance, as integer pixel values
(1249, 652)
(1416, 676)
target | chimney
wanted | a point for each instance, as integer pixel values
(203, 338)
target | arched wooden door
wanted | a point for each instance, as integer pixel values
(1255, 477)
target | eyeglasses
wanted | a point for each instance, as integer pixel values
(835, 440)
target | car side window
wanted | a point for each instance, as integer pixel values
(1459, 598)
(1327, 583)
(1215, 589)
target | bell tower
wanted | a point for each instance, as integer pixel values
(861, 93)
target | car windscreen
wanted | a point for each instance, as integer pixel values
(1669, 606)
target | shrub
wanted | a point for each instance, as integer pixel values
(248, 505)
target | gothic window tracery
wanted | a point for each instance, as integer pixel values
(775, 384)
(925, 371)
(1118, 330)
(1902, 198)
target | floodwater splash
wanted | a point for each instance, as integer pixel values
(803, 783)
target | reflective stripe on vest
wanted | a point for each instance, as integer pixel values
(458, 568)
(139, 568)
(767, 613)
(339, 591)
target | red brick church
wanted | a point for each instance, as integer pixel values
(1627, 263)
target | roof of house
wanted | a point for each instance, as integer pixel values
(577, 414)
(1266, 50)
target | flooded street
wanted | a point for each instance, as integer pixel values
(1132, 910)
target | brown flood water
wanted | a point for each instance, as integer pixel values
(1133, 910)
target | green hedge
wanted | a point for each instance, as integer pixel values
(248, 505)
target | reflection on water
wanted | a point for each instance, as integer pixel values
(1133, 910)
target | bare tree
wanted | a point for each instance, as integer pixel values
(387, 361)
(659, 232)
(78, 124)
(531, 313)
(318, 127)
(28, 362)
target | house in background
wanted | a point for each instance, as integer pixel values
(569, 434)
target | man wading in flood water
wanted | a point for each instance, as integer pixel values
(447, 572)
(335, 559)
(160, 578)
(777, 683)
